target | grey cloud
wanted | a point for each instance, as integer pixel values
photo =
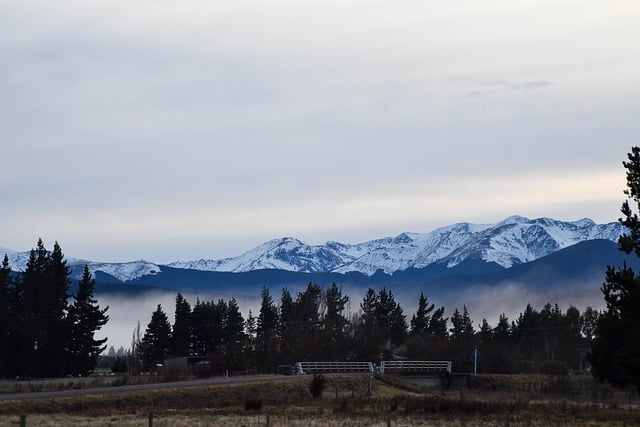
(132, 110)
(487, 87)
(516, 86)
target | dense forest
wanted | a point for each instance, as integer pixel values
(45, 331)
(314, 325)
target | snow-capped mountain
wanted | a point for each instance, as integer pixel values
(125, 271)
(515, 240)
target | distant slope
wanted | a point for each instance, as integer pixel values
(514, 241)
(579, 266)
(408, 257)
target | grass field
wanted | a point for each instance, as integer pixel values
(490, 400)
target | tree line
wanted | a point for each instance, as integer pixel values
(316, 324)
(45, 331)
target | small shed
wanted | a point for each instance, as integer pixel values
(186, 365)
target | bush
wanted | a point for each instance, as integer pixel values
(317, 386)
(252, 405)
(120, 366)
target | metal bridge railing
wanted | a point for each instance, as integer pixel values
(332, 367)
(415, 367)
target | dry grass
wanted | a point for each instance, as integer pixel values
(278, 420)
(497, 401)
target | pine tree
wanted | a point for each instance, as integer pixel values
(485, 332)
(334, 324)
(266, 333)
(156, 342)
(234, 336)
(42, 314)
(438, 325)
(306, 322)
(502, 331)
(467, 323)
(219, 322)
(5, 316)
(53, 357)
(32, 312)
(86, 318)
(202, 328)
(368, 306)
(209, 320)
(456, 325)
(285, 326)
(367, 334)
(391, 318)
(615, 351)
(420, 320)
(182, 335)
(249, 347)
(381, 326)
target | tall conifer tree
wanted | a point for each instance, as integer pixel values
(5, 316)
(266, 331)
(234, 336)
(86, 318)
(156, 341)
(334, 324)
(53, 357)
(615, 351)
(420, 320)
(182, 336)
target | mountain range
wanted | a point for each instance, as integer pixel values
(515, 240)
(540, 252)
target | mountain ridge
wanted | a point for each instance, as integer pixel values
(513, 241)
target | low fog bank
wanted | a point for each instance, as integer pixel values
(511, 299)
(482, 301)
(125, 311)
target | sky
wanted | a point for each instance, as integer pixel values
(172, 130)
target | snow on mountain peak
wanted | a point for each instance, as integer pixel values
(512, 241)
(122, 271)
(515, 240)
(126, 271)
(514, 219)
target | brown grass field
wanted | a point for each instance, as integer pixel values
(490, 400)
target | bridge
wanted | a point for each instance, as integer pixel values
(303, 368)
(430, 373)
(415, 367)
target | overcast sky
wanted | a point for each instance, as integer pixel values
(182, 129)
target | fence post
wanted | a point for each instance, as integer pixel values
(150, 419)
(268, 421)
(23, 421)
(389, 419)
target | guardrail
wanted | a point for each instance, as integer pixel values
(303, 368)
(415, 367)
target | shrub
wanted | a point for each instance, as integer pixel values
(317, 386)
(120, 366)
(252, 405)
